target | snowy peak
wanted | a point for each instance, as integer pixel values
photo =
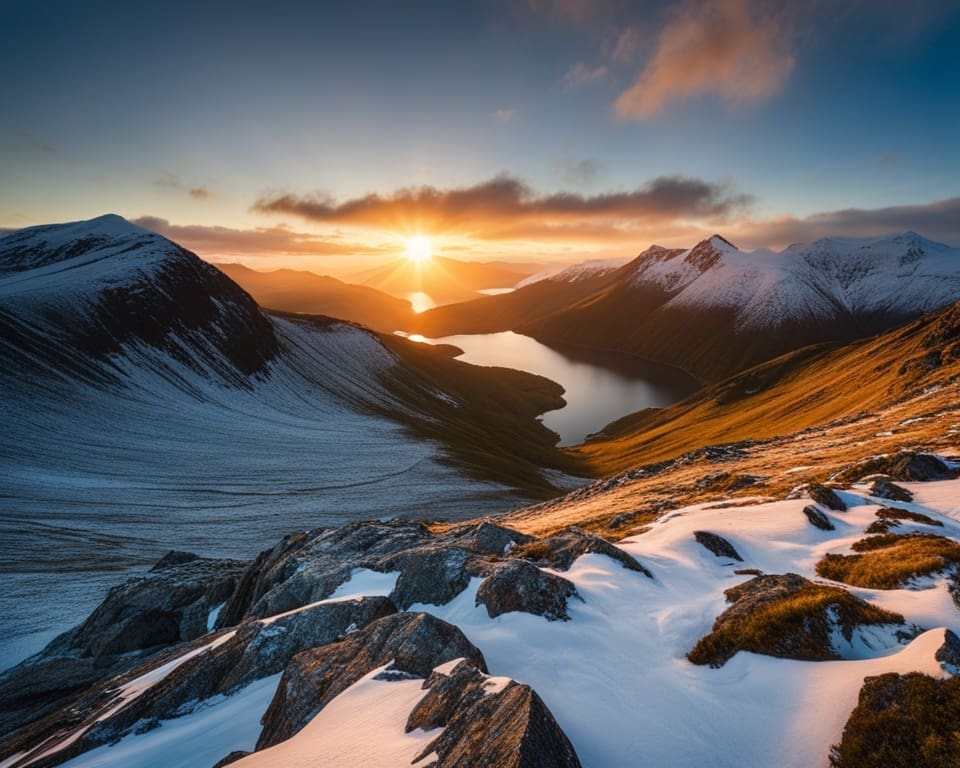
(708, 253)
(75, 295)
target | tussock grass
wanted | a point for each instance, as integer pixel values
(902, 720)
(889, 561)
(792, 623)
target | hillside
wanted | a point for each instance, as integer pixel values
(715, 310)
(303, 292)
(140, 374)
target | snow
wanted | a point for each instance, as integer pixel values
(213, 615)
(363, 727)
(362, 583)
(214, 729)
(575, 273)
(616, 676)
(903, 274)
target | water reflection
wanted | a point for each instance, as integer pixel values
(600, 387)
(421, 301)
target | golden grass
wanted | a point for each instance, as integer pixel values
(889, 561)
(803, 389)
(794, 626)
(902, 720)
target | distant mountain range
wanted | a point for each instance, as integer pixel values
(446, 280)
(304, 292)
(714, 309)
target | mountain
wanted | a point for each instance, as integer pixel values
(148, 402)
(304, 292)
(715, 310)
(445, 280)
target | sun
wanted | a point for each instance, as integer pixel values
(418, 249)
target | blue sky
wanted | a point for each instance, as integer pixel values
(201, 116)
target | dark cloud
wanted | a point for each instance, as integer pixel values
(216, 240)
(505, 201)
(939, 220)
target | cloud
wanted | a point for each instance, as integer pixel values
(938, 220)
(489, 207)
(504, 115)
(171, 181)
(580, 74)
(724, 47)
(267, 241)
(627, 46)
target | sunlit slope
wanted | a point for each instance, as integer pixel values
(809, 387)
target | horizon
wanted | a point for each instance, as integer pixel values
(513, 130)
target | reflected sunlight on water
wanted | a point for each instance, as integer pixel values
(421, 301)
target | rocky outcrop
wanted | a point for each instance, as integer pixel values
(885, 488)
(432, 567)
(507, 726)
(817, 517)
(827, 496)
(948, 654)
(169, 604)
(560, 550)
(521, 586)
(412, 643)
(214, 665)
(905, 466)
(718, 545)
(786, 616)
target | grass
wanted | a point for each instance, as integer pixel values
(902, 720)
(890, 517)
(794, 625)
(889, 561)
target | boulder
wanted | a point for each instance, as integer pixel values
(717, 545)
(948, 654)
(827, 496)
(520, 586)
(562, 549)
(817, 517)
(412, 643)
(905, 466)
(507, 726)
(885, 488)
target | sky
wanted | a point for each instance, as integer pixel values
(323, 135)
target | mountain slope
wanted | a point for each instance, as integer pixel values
(299, 291)
(715, 310)
(149, 401)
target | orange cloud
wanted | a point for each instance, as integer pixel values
(506, 203)
(723, 47)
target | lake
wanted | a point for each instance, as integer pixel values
(599, 386)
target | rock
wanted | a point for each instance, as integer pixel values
(433, 576)
(169, 604)
(948, 654)
(887, 489)
(506, 728)
(817, 518)
(414, 643)
(905, 466)
(786, 616)
(717, 544)
(825, 495)
(521, 586)
(562, 549)
(489, 539)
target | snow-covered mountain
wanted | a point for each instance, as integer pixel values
(148, 402)
(575, 273)
(716, 310)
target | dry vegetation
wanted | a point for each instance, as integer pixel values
(891, 517)
(785, 616)
(889, 561)
(902, 721)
